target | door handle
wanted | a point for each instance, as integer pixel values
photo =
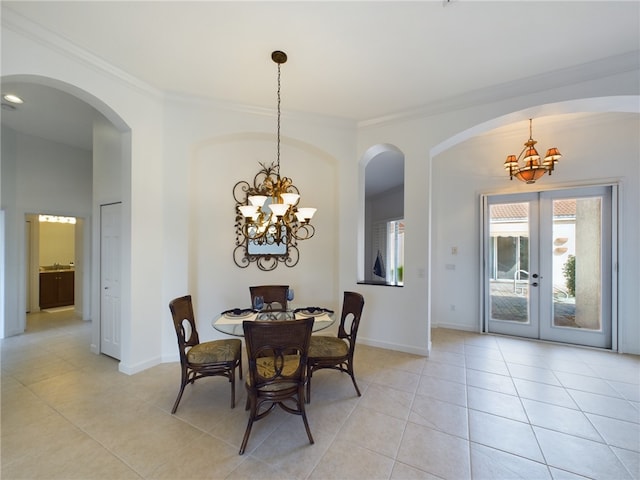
(534, 284)
(535, 275)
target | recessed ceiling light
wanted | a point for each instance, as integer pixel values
(9, 97)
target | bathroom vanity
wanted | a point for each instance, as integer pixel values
(56, 287)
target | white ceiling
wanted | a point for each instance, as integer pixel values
(355, 60)
(51, 114)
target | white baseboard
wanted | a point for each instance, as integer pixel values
(456, 326)
(139, 367)
(395, 346)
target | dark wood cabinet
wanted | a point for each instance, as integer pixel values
(56, 289)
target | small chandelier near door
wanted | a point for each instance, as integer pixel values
(269, 222)
(532, 170)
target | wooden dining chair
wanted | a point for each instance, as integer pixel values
(274, 296)
(277, 353)
(337, 352)
(206, 359)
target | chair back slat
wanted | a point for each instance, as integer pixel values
(274, 296)
(282, 345)
(329, 352)
(209, 359)
(277, 351)
(184, 322)
(352, 306)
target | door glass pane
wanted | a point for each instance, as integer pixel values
(509, 261)
(577, 265)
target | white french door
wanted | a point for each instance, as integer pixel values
(547, 268)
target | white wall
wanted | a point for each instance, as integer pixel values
(212, 148)
(46, 170)
(166, 141)
(431, 134)
(11, 263)
(109, 183)
(44, 177)
(57, 243)
(130, 106)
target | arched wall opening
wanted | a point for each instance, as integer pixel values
(108, 181)
(470, 163)
(211, 229)
(381, 177)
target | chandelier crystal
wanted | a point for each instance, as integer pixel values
(268, 212)
(532, 169)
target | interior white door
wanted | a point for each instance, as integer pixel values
(110, 257)
(549, 272)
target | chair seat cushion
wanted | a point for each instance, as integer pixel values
(216, 351)
(324, 346)
(266, 369)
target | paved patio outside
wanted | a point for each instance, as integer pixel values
(508, 303)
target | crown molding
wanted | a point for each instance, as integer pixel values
(603, 68)
(25, 27)
(12, 20)
(610, 66)
(254, 110)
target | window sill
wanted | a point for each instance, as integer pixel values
(384, 284)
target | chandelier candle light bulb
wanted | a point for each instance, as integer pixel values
(305, 214)
(257, 200)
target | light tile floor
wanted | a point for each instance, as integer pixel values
(481, 407)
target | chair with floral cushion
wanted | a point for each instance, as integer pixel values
(274, 296)
(337, 352)
(277, 353)
(207, 359)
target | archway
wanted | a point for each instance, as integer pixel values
(454, 299)
(17, 202)
(382, 248)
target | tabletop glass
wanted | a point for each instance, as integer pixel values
(230, 322)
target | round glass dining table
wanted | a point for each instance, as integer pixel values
(230, 322)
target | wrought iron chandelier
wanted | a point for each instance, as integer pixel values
(532, 170)
(269, 222)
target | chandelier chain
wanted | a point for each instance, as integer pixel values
(269, 224)
(278, 129)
